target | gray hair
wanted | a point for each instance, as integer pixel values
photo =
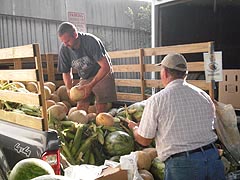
(66, 27)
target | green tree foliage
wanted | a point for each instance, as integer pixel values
(140, 18)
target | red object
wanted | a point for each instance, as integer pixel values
(53, 158)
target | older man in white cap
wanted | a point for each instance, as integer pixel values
(180, 119)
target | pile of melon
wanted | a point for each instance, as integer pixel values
(108, 131)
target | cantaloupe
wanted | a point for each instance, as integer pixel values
(57, 111)
(32, 87)
(51, 86)
(24, 90)
(64, 105)
(79, 116)
(19, 84)
(105, 119)
(50, 103)
(76, 94)
(68, 105)
(73, 103)
(72, 109)
(144, 160)
(62, 93)
(91, 116)
(151, 151)
(47, 92)
(54, 97)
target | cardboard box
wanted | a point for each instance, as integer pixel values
(229, 88)
(113, 174)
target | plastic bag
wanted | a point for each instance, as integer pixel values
(83, 172)
(129, 163)
(227, 130)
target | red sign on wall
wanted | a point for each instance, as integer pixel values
(79, 20)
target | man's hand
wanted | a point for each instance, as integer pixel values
(87, 90)
(141, 140)
(132, 124)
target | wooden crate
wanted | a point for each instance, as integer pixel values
(14, 58)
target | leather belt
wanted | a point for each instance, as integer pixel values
(200, 149)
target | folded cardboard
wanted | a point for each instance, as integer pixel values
(229, 88)
(111, 173)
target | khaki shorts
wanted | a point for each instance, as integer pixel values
(103, 92)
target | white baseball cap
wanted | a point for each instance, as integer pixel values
(174, 61)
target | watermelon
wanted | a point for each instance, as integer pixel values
(29, 168)
(118, 143)
(157, 169)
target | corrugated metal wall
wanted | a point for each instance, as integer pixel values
(16, 30)
(20, 28)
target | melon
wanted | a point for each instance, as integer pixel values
(144, 160)
(47, 92)
(104, 119)
(157, 169)
(29, 168)
(32, 87)
(50, 103)
(118, 143)
(18, 84)
(73, 103)
(54, 97)
(51, 86)
(68, 105)
(72, 109)
(91, 116)
(76, 94)
(64, 105)
(79, 116)
(57, 111)
(151, 151)
(23, 90)
(62, 93)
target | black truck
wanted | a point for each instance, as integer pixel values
(24, 135)
(19, 142)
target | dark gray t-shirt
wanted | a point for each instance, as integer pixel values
(83, 59)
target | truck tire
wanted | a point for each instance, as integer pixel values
(2, 175)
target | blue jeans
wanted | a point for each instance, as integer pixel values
(203, 165)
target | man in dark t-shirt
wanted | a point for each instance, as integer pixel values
(86, 53)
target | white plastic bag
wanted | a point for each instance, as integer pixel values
(227, 130)
(129, 163)
(83, 172)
